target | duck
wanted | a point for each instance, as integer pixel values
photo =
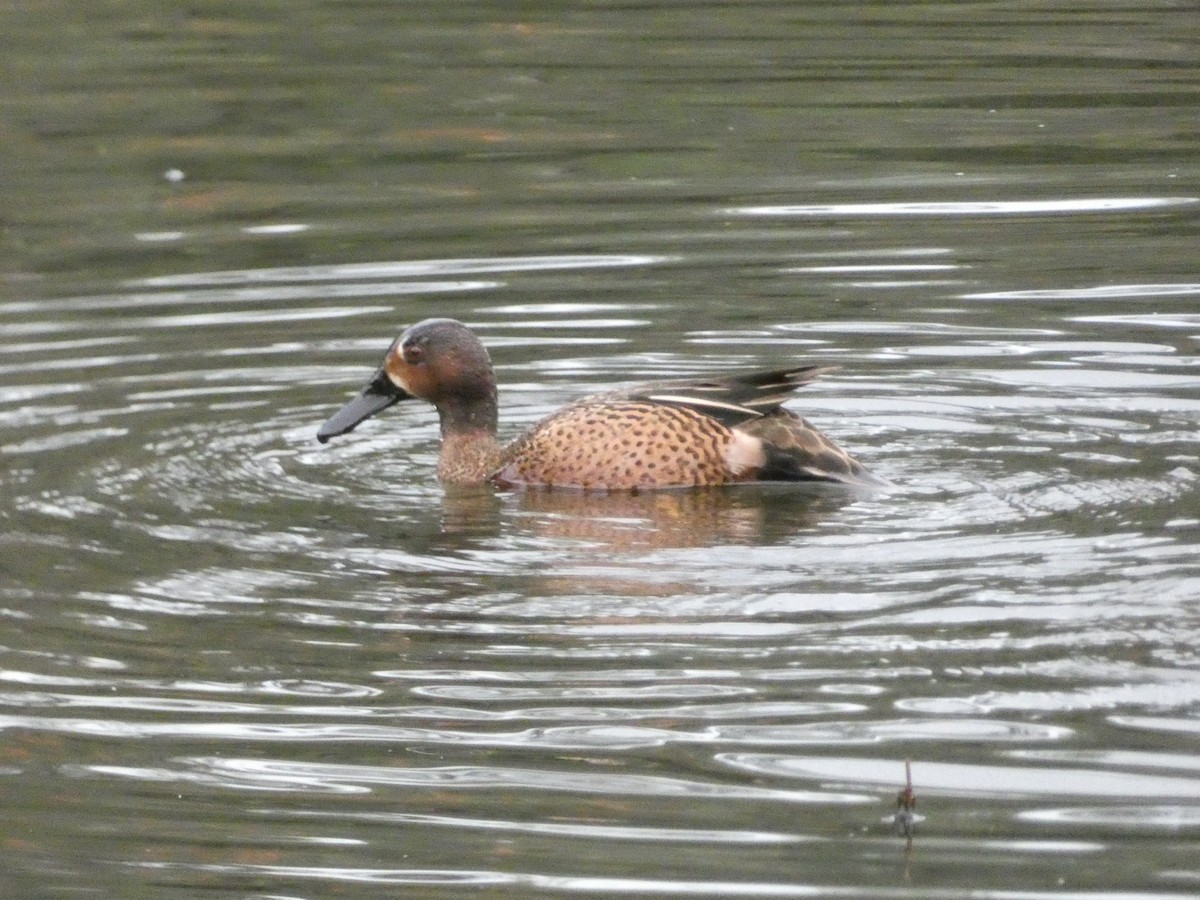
(668, 434)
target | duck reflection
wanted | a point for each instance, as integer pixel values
(750, 514)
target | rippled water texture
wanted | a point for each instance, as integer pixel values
(234, 662)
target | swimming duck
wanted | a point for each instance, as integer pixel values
(666, 434)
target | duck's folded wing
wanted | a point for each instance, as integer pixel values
(732, 400)
(797, 451)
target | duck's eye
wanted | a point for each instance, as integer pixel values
(414, 354)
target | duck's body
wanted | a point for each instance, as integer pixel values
(669, 434)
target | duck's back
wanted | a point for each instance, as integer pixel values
(684, 433)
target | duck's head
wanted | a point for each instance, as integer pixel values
(439, 361)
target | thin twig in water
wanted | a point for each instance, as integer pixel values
(906, 802)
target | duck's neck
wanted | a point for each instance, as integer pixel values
(468, 457)
(469, 452)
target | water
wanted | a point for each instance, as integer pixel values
(235, 662)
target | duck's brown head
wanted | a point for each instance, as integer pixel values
(437, 360)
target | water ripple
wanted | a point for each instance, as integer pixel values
(278, 775)
(1065, 206)
(402, 269)
(565, 829)
(1014, 782)
(591, 884)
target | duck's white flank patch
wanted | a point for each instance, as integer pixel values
(744, 453)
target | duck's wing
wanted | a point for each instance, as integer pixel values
(795, 450)
(732, 400)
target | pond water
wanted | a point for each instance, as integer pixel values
(234, 662)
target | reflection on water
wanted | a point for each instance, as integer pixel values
(747, 514)
(233, 660)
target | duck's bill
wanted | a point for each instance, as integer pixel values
(378, 395)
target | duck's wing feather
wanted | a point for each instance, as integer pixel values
(730, 400)
(795, 450)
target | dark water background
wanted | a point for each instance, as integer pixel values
(236, 663)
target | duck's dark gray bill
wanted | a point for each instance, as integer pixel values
(378, 395)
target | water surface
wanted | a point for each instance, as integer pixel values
(238, 662)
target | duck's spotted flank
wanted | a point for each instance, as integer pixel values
(668, 434)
